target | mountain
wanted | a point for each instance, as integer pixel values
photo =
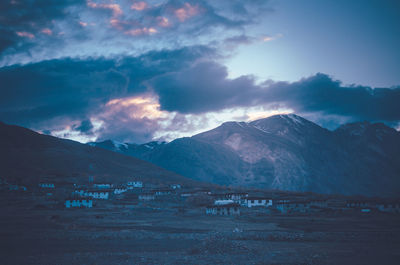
(30, 157)
(135, 150)
(286, 152)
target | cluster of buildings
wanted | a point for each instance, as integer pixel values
(231, 203)
(215, 201)
(106, 191)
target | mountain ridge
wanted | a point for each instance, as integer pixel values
(288, 152)
(28, 156)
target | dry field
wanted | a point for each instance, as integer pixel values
(172, 233)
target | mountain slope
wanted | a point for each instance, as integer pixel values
(32, 157)
(288, 152)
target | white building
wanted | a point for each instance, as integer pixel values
(176, 186)
(390, 207)
(47, 185)
(237, 196)
(78, 203)
(161, 192)
(146, 197)
(97, 194)
(135, 184)
(16, 187)
(293, 206)
(102, 186)
(257, 201)
(80, 192)
(226, 209)
(223, 202)
(120, 190)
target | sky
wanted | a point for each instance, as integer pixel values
(138, 71)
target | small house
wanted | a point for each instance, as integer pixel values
(16, 187)
(102, 186)
(97, 194)
(360, 203)
(223, 202)
(120, 190)
(389, 207)
(146, 197)
(226, 209)
(188, 194)
(47, 185)
(175, 186)
(257, 201)
(318, 203)
(135, 184)
(163, 192)
(79, 203)
(80, 192)
(203, 192)
(237, 196)
(293, 206)
(219, 196)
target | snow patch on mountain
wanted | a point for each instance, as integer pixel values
(119, 145)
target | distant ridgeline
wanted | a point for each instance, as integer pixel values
(285, 152)
(30, 158)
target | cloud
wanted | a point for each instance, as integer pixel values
(321, 93)
(170, 93)
(201, 88)
(114, 8)
(65, 93)
(141, 31)
(139, 6)
(268, 38)
(21, 20)
(86, 126)
(187, 11)
(25, 34)
(45, 29)
(205, 87)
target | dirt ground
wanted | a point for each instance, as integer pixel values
(163, 233)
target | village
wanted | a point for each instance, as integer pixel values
(144, 222)
(214, 201)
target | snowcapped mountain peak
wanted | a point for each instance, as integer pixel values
(281, 124)
(294, 118)
(285, 152)
(119, 145)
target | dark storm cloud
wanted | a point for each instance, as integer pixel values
(201, 88)
(321, 93)
(205, 87)
(86, 126)
(22, 20)
(75, 88)
(57, 87)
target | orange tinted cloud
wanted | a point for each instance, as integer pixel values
(25, 34)
(186, 12)
(47, 31)
(136, 107)
(83, 24)
(139, 6)
(141, 31)
(268, 38)
(163, 22)
(115, 8)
